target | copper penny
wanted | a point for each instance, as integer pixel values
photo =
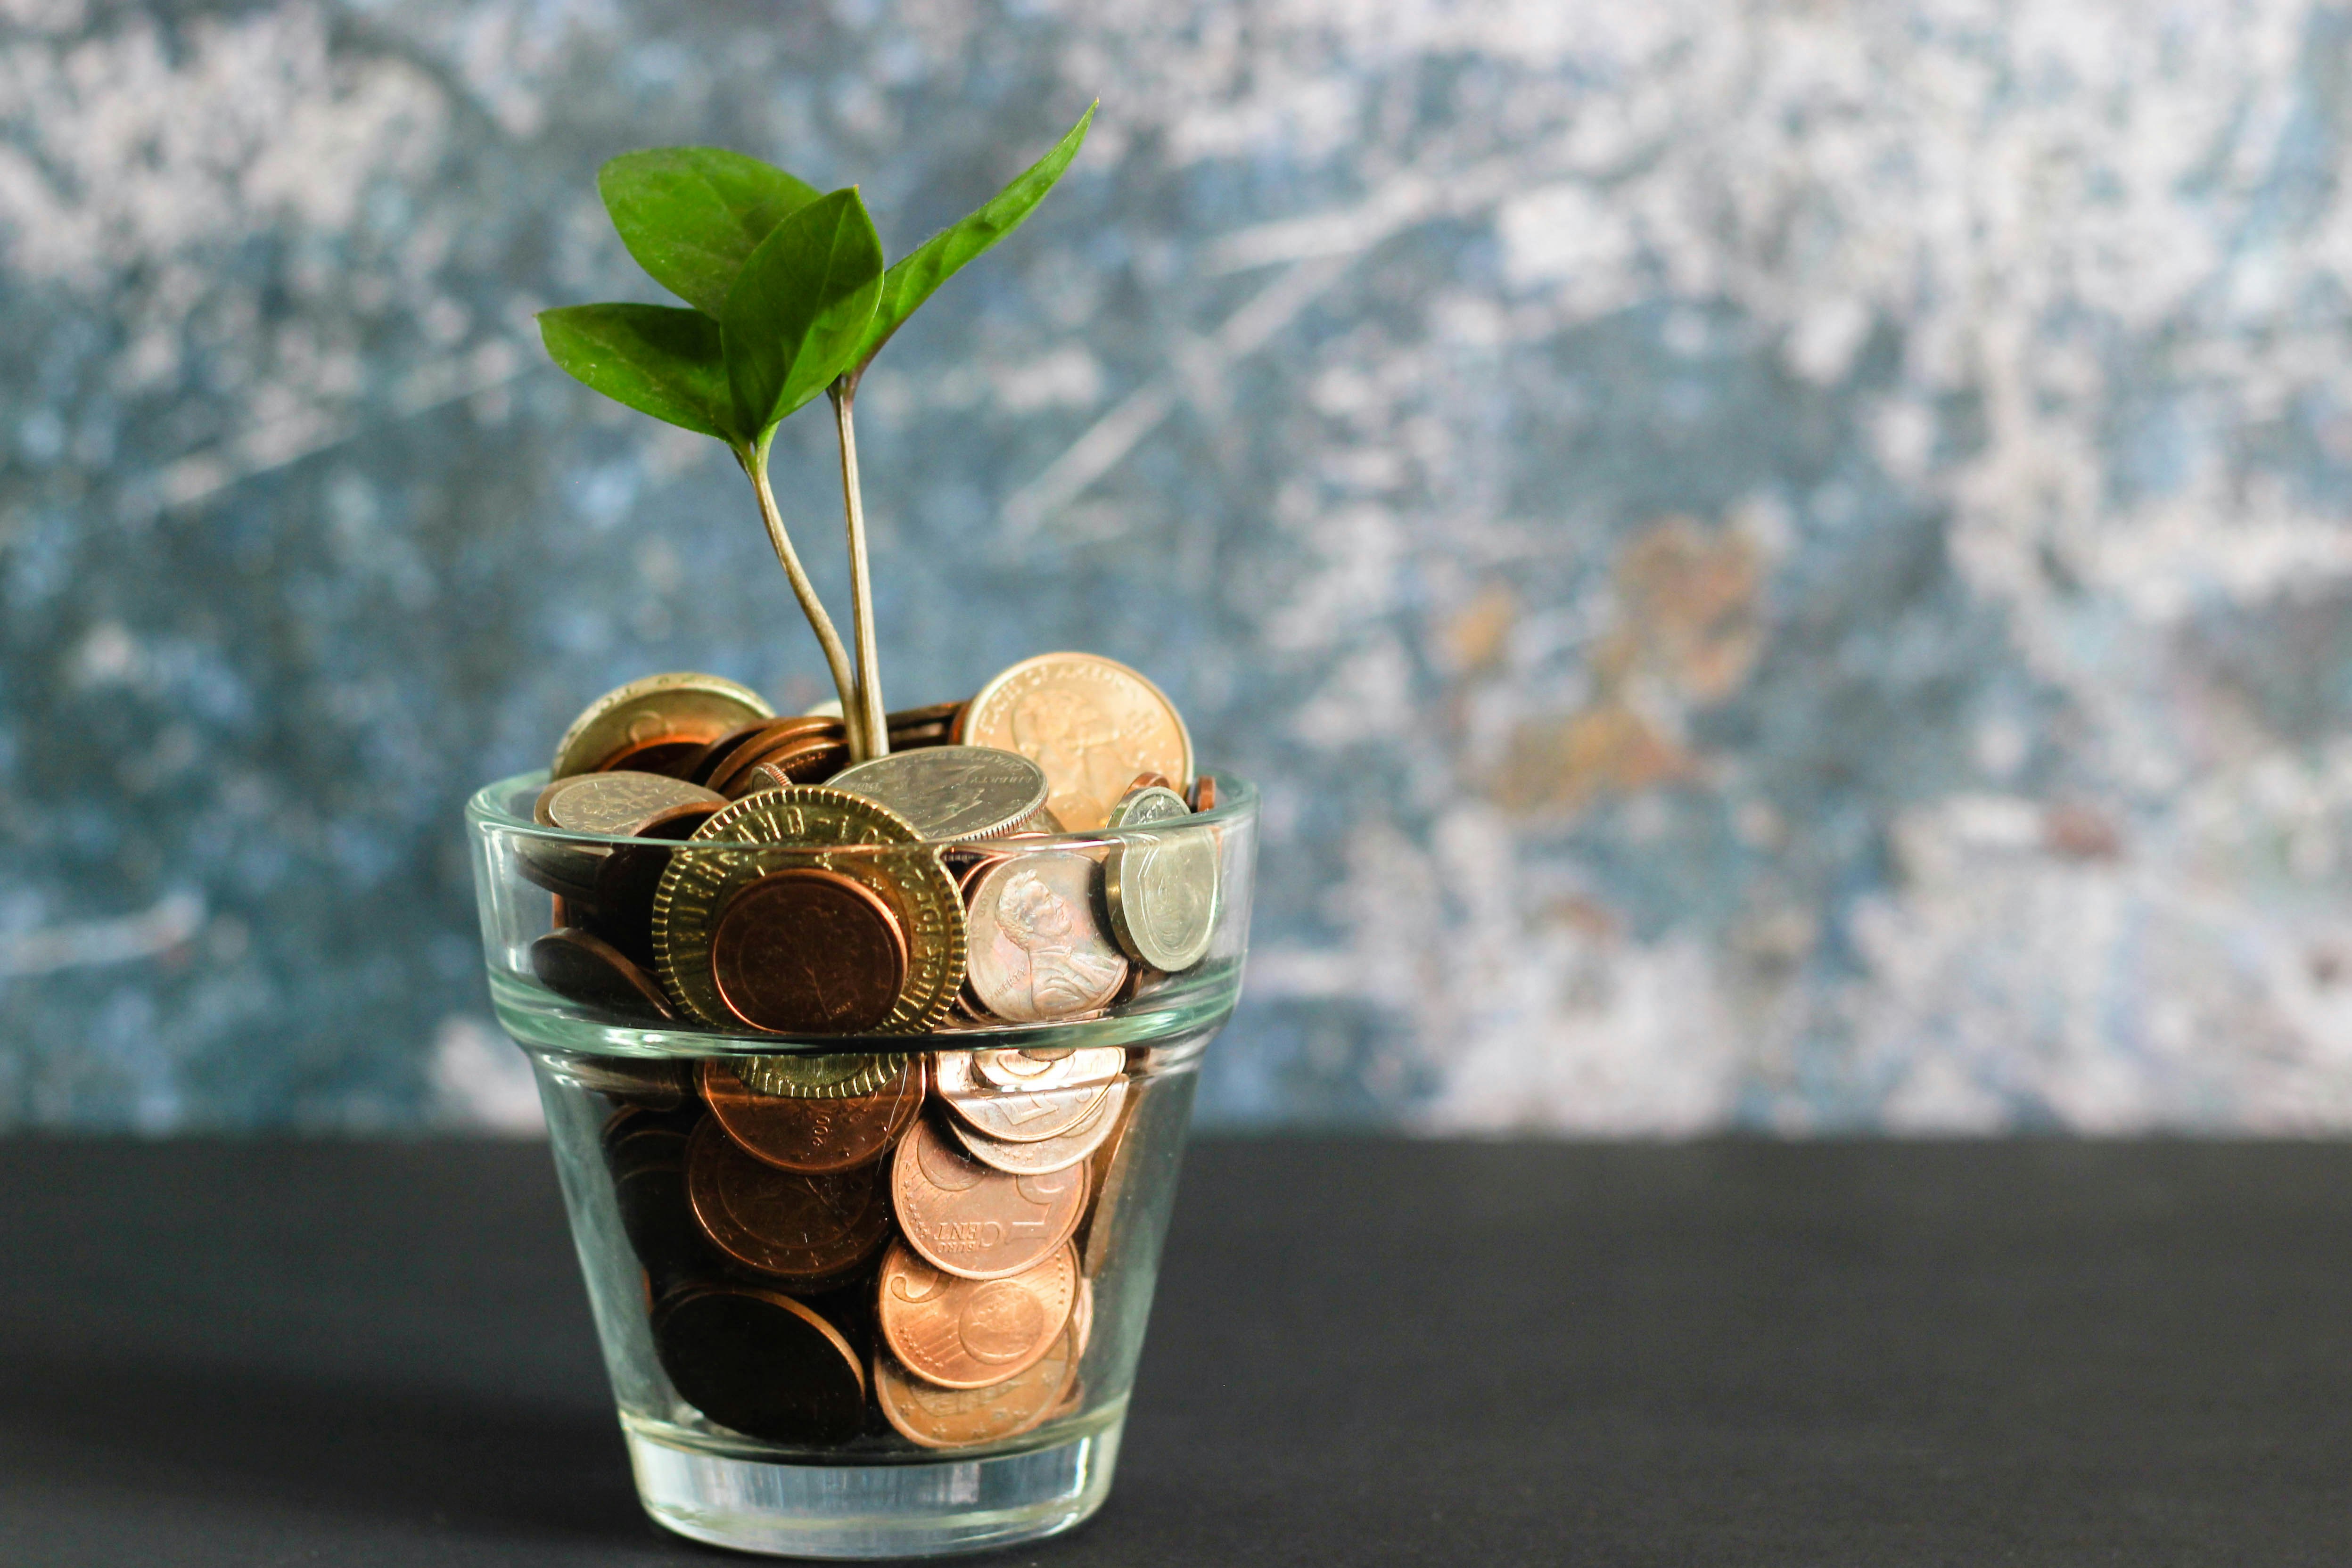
(585, 968)
(1091, 722)
(936, 1418)
(803, 1227)
(971, 1333)
(763, 1363)
(770, 738)
(1149, 781)
(813, 1136)
(974, 1222)
(1034, 947)
(1038, 1156)
(1204, 793)
(807, 951)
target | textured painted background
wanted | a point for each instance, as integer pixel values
(1784, 565)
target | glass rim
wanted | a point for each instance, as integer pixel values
(488, 809)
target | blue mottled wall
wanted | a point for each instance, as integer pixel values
(1784, 565)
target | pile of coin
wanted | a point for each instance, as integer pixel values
(840, 1247)
(772, 888)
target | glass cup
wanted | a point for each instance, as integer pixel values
(877, 1294)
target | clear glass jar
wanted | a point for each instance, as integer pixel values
(881, 1294)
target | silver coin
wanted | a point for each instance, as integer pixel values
(1043, 1155)
(1034, 946)
(1155, 803)
(1161, 890)
(1016, 1116)
(1047, 1069)
(616, 802)
(951, 792)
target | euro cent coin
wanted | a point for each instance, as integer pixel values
(761, 1364)
(805, 951)
(803, 1227)
(973, 1333)
(935, 1417)
(812, 1135)
(974, 1222)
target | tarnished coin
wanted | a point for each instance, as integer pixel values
(1036, 1156)
(810, 827)
(967, 1072)
(975, 1222)
(585, 968)
(805, 951)
(971, 1333)
(774, 737)
(620, 803)
(761, 1363)
(812, 1135)
(951, 792)
(1090, 723)
(1036, 949)
(803, 1227)
(840, 1077)
(674, 707)
(1013, 1115)
(644, 1082)
(939, 1418)
(1160, 887)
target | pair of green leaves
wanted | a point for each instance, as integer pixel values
(787, 286)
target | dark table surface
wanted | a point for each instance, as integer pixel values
(1364, 1353)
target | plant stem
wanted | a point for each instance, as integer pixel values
(754, 459)
(861, 584)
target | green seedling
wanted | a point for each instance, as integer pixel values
(786, 297)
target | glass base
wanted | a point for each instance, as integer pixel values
(874, 1510)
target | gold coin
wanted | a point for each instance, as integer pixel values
(777, 830)
(1091, 722)
(684, 707)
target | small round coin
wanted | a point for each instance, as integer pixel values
(951, 792)
(939, 1418)
(802, 1228)
(972, 1333)
(587, 969)
(1091, 722)
(1013, 1115)
(1039, 1156)
(806, 951)
(810, 827)
(1035, 949)
(1204, 793)
(974, 1222)
(761, 1363)
(683, 706)
(814, 1136)
(1146, 804)
(1160, 888)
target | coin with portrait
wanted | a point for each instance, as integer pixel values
(1091, 722)
(1036, 950)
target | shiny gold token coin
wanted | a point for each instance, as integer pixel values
(1091, 722)
(842, 1077)
(684, 707)
(791, 830)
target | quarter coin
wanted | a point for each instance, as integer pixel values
(974, 1222)
(1091, 722)
(951, 792)
(936, 1418)
(674, 708)
(1036, 950)
(973, 1333)
(803, 1227)
(1037, 1156)
(814, 1136)
(1161, 889)
(761, 1363)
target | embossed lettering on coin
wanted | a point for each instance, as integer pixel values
(975, 1222)
(1036, 950)
(1091, 722)
(939, 1418)
(970, 1334)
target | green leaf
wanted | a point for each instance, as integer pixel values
(913, 276)
(692, 215)
(657, 359)
(801, 307)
